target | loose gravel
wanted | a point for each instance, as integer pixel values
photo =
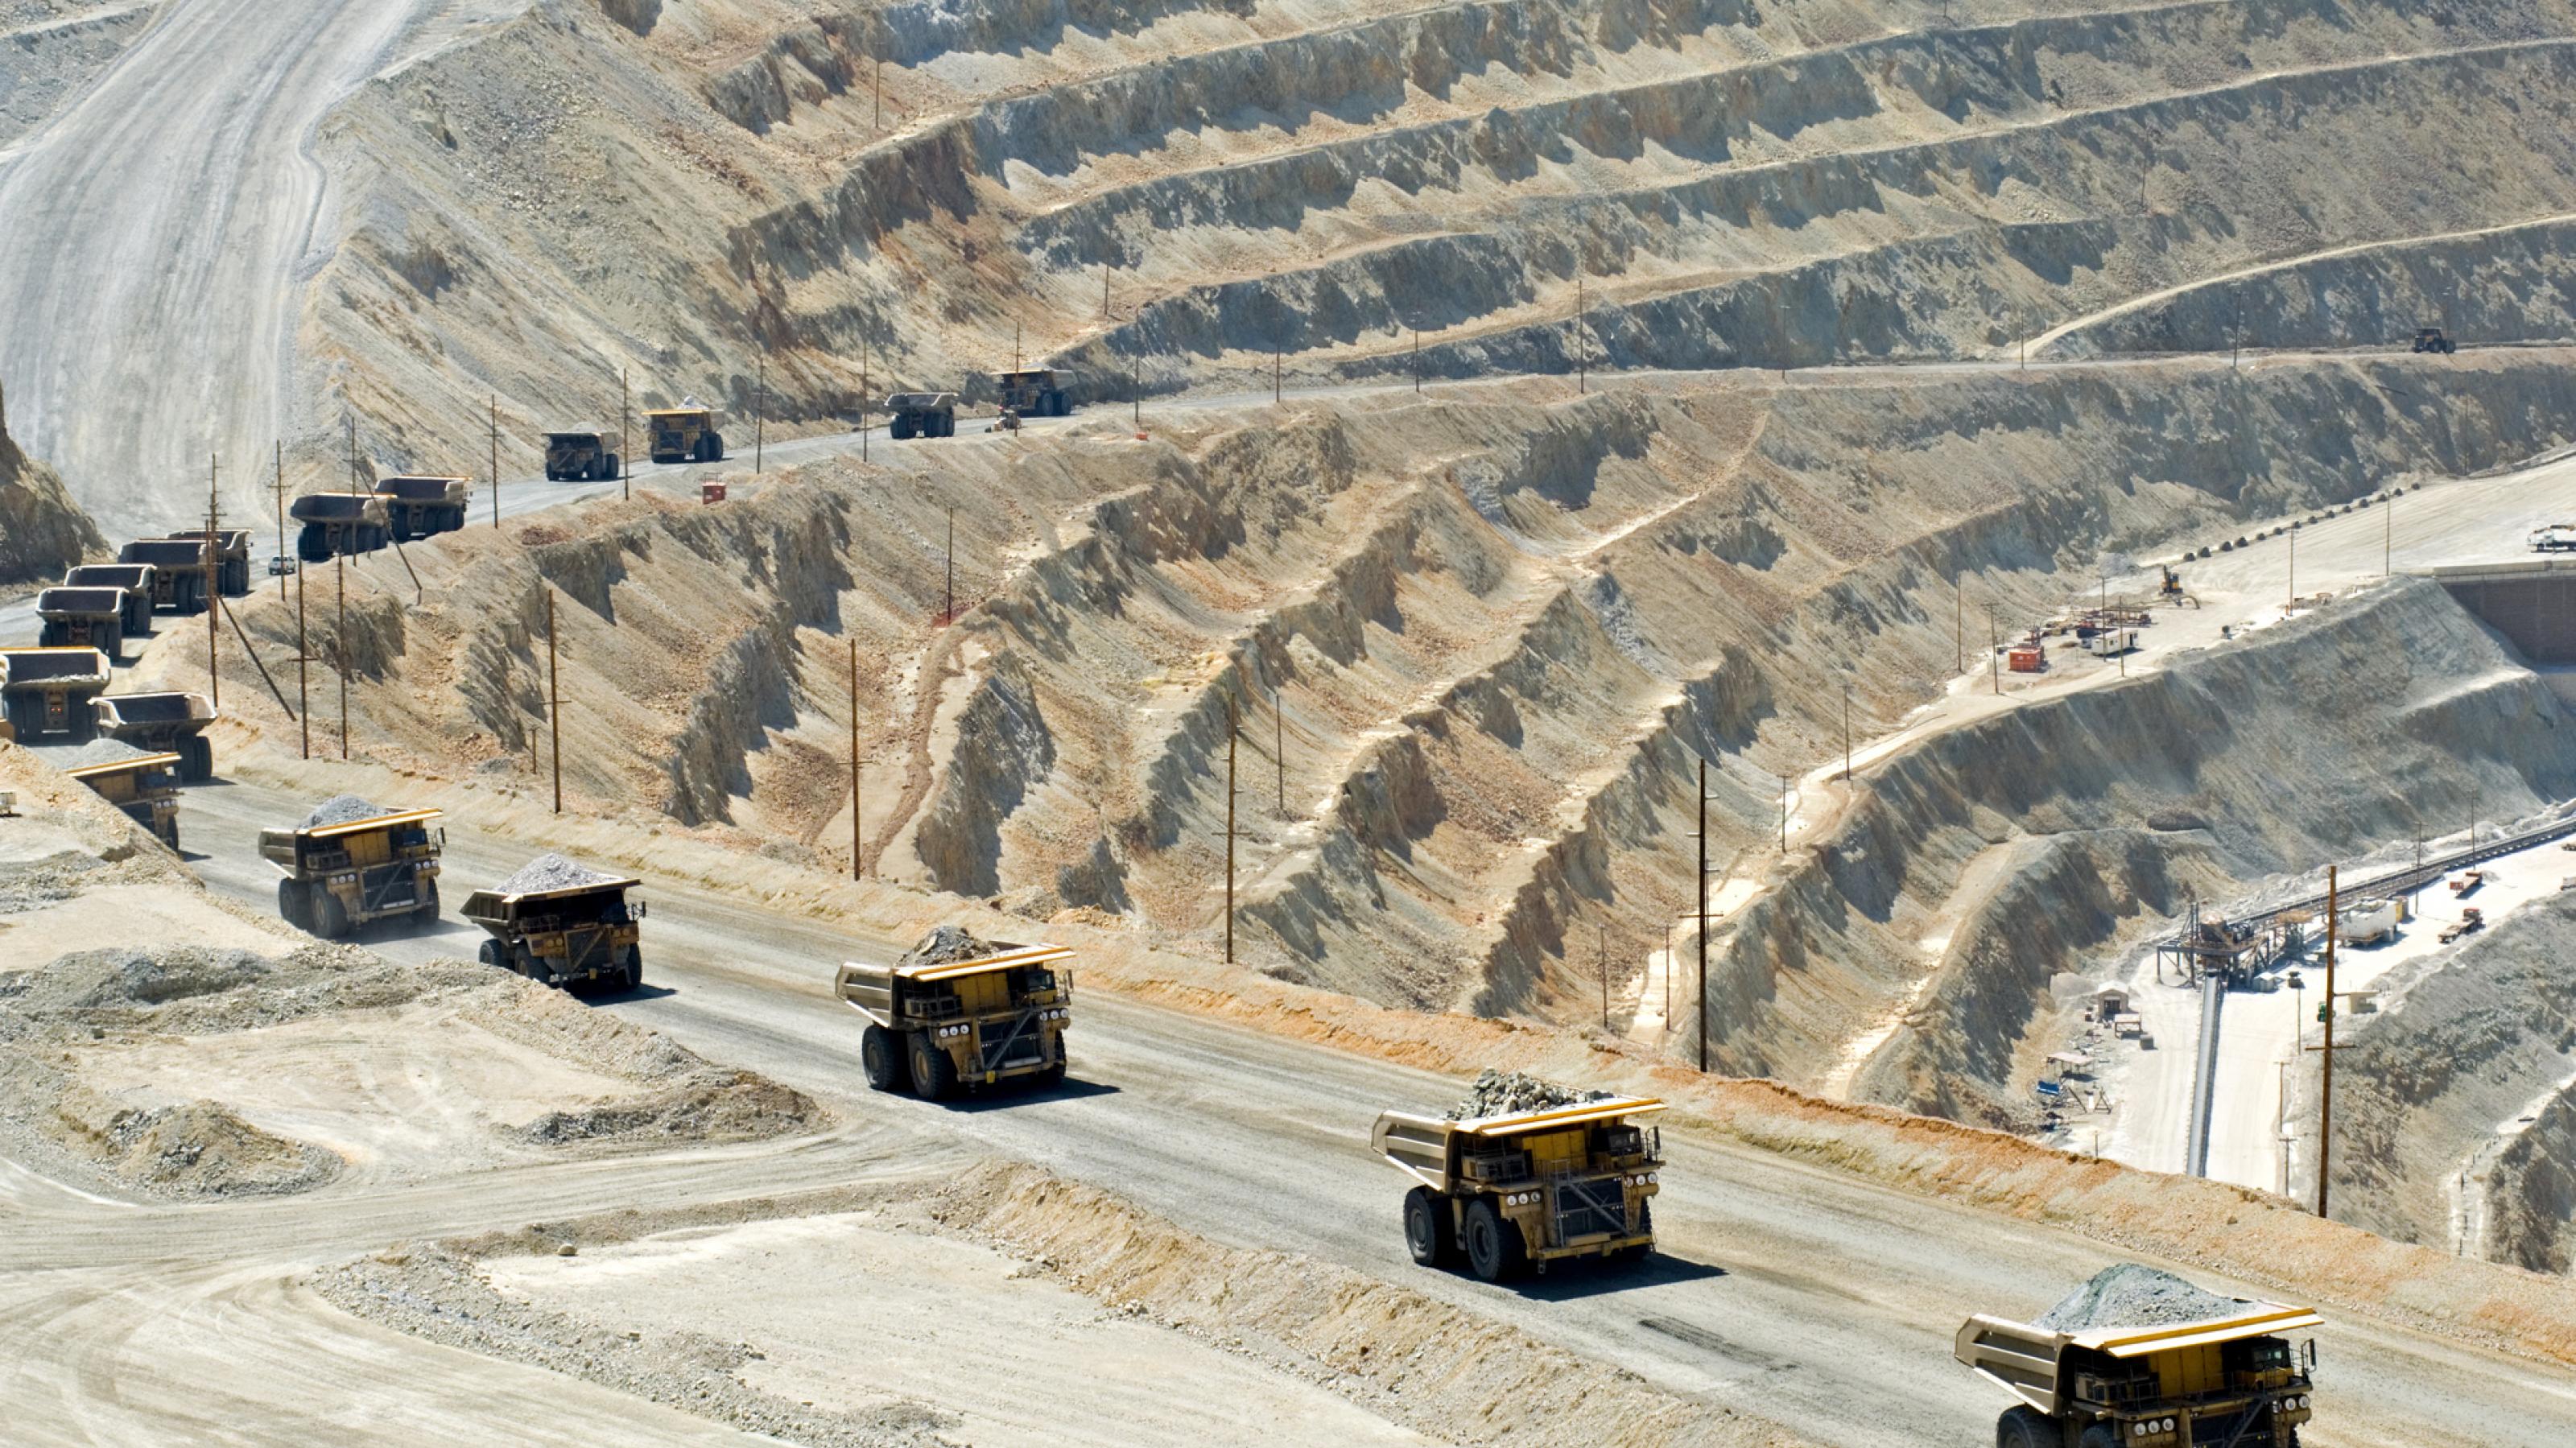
(552, 872)
(342, 809)
(946, 946)
(2131, 1295)
(1507, 1093)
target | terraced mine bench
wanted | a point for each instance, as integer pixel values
(173, 722)
(47, 692)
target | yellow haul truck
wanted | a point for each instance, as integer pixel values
(46, 693)
(564, 924)
(1527, 1189)
(684, 435)
(348, 874)
(135, 782)
(2231, 1379)
(174, 721)
(134, 580)
(232, 557)
(995, 1018)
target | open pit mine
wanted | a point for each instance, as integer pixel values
(1530, 722)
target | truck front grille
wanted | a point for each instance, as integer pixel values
(1584, 1208)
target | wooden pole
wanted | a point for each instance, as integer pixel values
(340, 639)
(1993, 665)
(214, 584)
(865, 401)
(1229, 831)
(948, 609)
(1605, 977)
(496, 459)
(759, 414)
(243, 635)
(1278, 362)
(2325, 1101)
(1582, 353)
(303, 667)
(1846, 733)
(2294, 564)
(1279, 747)
(281, 515)
(625, 453)
(554, 701)
(1703, 915)
(1417, 359)
(858, 856)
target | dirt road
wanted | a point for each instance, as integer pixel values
(1792, 1292)
(158, 228)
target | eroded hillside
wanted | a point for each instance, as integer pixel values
(42, 531)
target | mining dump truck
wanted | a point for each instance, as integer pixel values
(1037, 392)
(558, 923)
(134, 580)
(1528, 1188)
(344, 524)
(134, 780)
(352, 863)
(576, 457)
(48, 692)
(922, 414)
(2141, 1357)
(684, 435)
(934, 1025)
(417, 506)
(172, 723)
(232, 559)
(2430, 339)
(178, 571)
(89, 617)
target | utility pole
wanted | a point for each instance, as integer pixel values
(1703, 916)
(1605, 977)
(1229, 831)
(1015, 344)
(1959, 624)
(858, 855)
(759, 412)
(496, 459)
(303, 666)
(865, 400)
(1279, 747)
(1582, 354)
(857, 848)
(340, 642)
(1278, 362)
(1993, 666)
(948, 609)
(554, 700)
(880, 80)
(2294, 563)
(1417, 359)
(280, 487)
(2388, 533)
(625, 449)
(352, 420)
(214, 584)
(2325, 1103)
(1104, 289)
(1784, 814)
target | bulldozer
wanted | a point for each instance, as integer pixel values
(339, 524)
(2230, 1379)
(579, 457)
(419, 506)
(922, 414)
(1527, 1189)
(338, 877)
(684, 435)
(1037, 391)
(937, 1026)
(134, 580)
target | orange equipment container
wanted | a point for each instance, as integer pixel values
(2026, 661)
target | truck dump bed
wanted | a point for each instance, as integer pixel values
(81, 602)
(423, 489)
(337, 508)
(164, 553)
(123, 711)
(2023, 1358)
(62, 668)
(134, 576)
(280, 846)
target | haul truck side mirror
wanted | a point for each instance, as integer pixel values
(442, 837)
(2310, 1348)
(639, 910)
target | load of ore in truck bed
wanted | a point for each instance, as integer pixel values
(341, 809)
(549, 872)
(2130, 1295)
(1508, 1093)
(947, 945)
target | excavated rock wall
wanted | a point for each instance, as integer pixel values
(42, 531)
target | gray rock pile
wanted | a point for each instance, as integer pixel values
(1506, 1093)
(551, 871)
(2130, 1295)
(342, 809)
(946, 946)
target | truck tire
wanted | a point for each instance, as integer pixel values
(881, 1060)
(933, 1074)
(1051, 1075)
(490, 954)
(948, 425)
(290, 902)
(616, 466)
(2100, 1435)
(53, 635)
(196, 759)
(112, 640)
(900, 429)
(425, 914)
(524, 962)
(330, 917)
(1428, 1233)
(2022, 1426)
(312, 545)
(632, 977)
(1493, 1245)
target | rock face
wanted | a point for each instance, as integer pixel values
(42, 531)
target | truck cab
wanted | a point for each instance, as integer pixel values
(684, 435)
(1528, 1189)
(2232, 1379)
(937, 1026)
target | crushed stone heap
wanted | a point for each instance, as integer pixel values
(552, 872)
(342, 809)
(947, 945)
(1504, 1093)
(2131, 1295)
